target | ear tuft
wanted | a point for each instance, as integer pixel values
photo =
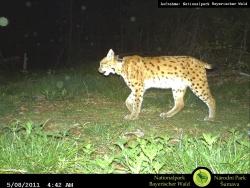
(111, 54)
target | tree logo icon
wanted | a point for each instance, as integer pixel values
(201, 176)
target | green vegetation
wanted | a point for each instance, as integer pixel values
(25, 149)
(72, 122)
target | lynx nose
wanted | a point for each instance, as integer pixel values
(100, 70)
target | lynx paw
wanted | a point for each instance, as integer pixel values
(130, 117)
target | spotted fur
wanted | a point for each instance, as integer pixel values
(175, 72)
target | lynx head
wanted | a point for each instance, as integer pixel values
(109, 64)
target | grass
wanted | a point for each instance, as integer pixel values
(26, 149)
(72, 122)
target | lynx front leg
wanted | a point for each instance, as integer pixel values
(133, 103)
(178, 95)
(129, 102)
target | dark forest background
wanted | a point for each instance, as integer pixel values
(59, 33)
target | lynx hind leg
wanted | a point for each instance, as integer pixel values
(178, 95)
(205, 95)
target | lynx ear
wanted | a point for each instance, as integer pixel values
(110, 54)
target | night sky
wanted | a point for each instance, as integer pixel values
(66, 32)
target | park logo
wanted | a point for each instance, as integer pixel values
(202, 176)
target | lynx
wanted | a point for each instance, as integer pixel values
(175, 72)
